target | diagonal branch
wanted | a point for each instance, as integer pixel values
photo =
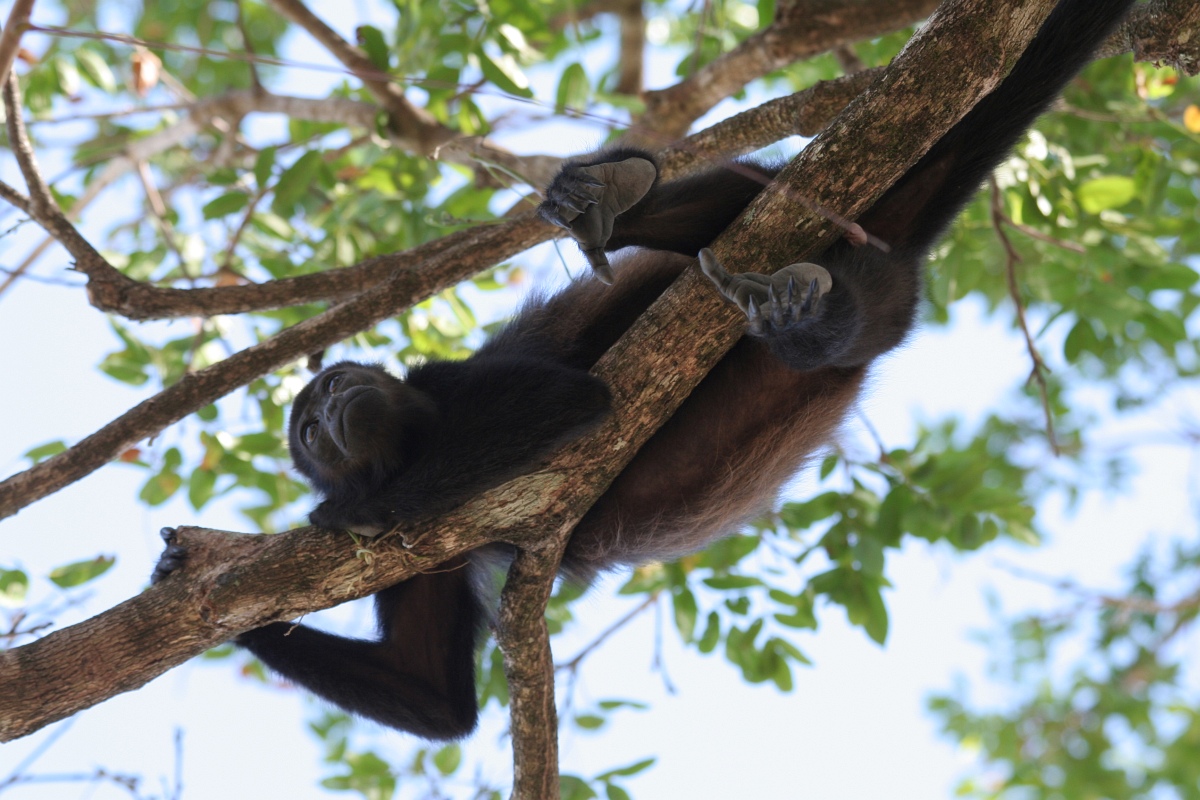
(384, 286)
(1165, 31)
(801, 29)
(803, 113)
(10, 39)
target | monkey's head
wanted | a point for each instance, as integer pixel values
(355, 427)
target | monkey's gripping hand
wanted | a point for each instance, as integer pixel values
(584, 201)
(771, 303)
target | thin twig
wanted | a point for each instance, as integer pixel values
(1040, 369)
(573, 663)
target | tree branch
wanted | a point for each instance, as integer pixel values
(480, 248)
(236, 582)
(1166, 31)
(10, 39)
(413, 128)
(801, 29)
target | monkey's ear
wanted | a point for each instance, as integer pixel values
(586, 200)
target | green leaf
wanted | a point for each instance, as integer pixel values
(728, 582)
(200, 487)
(684, 603)
(14, 585)
(589, 722)
(573, 89)
(81, 572)
(447, 759)
(67, 75)
(505, 74)
(44, 451)
(1112, 191)
(295, 181)
(160, 487)
(632, 769)
(95, 69)
(616, 792)
(371, 40)
(712, 634)
(571, 787)
(263, 165)
(225, 204)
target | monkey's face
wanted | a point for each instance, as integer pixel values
(356, 427)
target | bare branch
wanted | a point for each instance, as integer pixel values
(1038, 373)
(10, 39)
(631, 57)
(15, 198)
(42, 206)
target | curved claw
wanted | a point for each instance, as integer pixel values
(600, 266)
(554, 218)
(576, 203)
(754, 316)
(810, 301)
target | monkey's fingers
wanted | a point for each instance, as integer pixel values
(600, 266)
(173, 556)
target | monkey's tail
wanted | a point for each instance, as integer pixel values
(915, 211)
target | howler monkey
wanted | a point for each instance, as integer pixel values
(383, 451)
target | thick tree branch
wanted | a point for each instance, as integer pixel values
(1166, 31)
(801, 29)
(233, 583)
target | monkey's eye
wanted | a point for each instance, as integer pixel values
(309, 432)
(333, 382)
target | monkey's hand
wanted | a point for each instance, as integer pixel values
(584, 201)
(771, 303)
(172, 558)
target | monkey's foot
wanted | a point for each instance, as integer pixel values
(771, 303)
(173, 556)
(584, 201)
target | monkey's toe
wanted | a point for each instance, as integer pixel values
(173, 556)
(772, 303)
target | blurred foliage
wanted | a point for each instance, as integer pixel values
(1099, 699)
(1116, 169)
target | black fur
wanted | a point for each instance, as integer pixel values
(384, 452)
